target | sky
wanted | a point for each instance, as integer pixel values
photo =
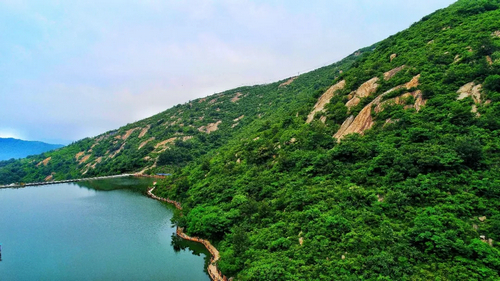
(75, 69)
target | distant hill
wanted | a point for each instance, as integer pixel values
(14, 148)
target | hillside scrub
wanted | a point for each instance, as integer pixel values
(415, 197)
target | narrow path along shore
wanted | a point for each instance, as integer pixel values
(16, 185)
(212, 269)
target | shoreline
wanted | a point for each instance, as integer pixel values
(212, 269)
(22, 185)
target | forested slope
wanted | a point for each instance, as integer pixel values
(413, 194)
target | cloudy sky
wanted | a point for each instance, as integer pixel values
(74, 69)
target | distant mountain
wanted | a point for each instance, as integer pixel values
(14, 148)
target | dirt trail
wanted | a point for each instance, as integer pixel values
(212, 269)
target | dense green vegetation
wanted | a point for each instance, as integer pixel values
(415, 197)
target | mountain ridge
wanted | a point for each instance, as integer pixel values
(382, 166)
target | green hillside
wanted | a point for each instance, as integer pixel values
(384, 166)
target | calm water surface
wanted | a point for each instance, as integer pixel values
(71, 232)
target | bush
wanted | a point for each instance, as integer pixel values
(492, 83)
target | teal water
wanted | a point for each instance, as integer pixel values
(72, 232)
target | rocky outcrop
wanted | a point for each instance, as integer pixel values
(239, 118)
(413, 82)
(393, 56)
(145, 142)
(470, 90)
(419, 101)
(84, 159)
(389, 74)
(212, 127)
(496, 34)
(325, 99)
(489, 60)
(366, 89)
(44, 162)
(127, 134)
(112, 155)
(161, 146)
(236, 97)
(364, 120)
(79, 154)
(144, 131)
(288, 82)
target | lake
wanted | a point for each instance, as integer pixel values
(77, 232)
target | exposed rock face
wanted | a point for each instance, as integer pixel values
(239, 118)
(84, 159)
(470, 90)
(144, 131)
(118, 151)
(413, 82)
(127, 134)
(496, 34)
(162, 146)
(393, 56)
(389, 74)
(474, 109)
(346, 128)
(236, 97)
(366, 89)
(212, 127)
(288, 82)
(364, 121)
(44, 162)
(79, 154)
(489, 60)
(163, 143)
(419, 100)
(325, 99)
(145, 142)
(417, 95)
